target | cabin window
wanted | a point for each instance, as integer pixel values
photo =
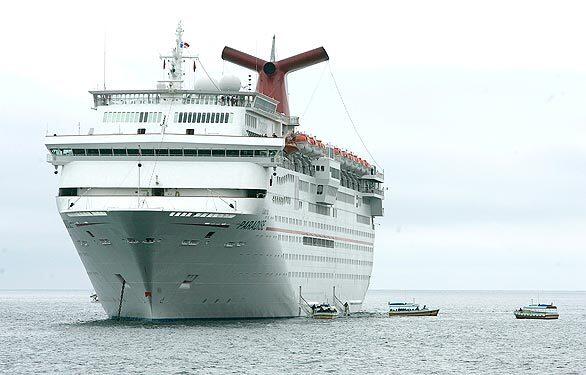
(262, 153)
(68, 192)
(232, 153)
(120, 151)
(176, 152)
(190, 117)
(208, 115)
(213, 118)
(204, 152)
(190, 152)
(132, 151)
(158, 192)
(141, 131)
(221, 117)
(219, 153)
(180, 116)
(176, 117)
(320, 189)
(79, 151)
(246, 153)
(147, 152)
(162, 152)
(189, 131)
(105, 151)
(335, 173)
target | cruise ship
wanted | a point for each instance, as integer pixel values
(208, 202)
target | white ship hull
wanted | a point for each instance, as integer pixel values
(167, 280)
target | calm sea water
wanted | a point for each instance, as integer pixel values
(475, 332)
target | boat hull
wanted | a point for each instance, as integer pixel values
(533, 316)
(140, 267)
(324, 316)
(414, 313)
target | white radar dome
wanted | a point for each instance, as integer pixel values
(205, 84)
(230, 83)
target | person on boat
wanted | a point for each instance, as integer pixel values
(424, 306)
(346, 309)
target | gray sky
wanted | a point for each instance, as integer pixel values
(474, 108)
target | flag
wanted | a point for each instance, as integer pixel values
(184, 45)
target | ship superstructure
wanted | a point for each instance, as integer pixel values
(208, 203)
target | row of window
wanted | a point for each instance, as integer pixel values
(321, 242)
(327, 275)
(337, 244)
(319, 209)
(203, 117)
(316, 225)
(152, 117)
(161, 152)
(324, 259)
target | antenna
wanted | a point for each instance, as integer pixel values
(176, 59)
(273, 50)
(104, 61)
